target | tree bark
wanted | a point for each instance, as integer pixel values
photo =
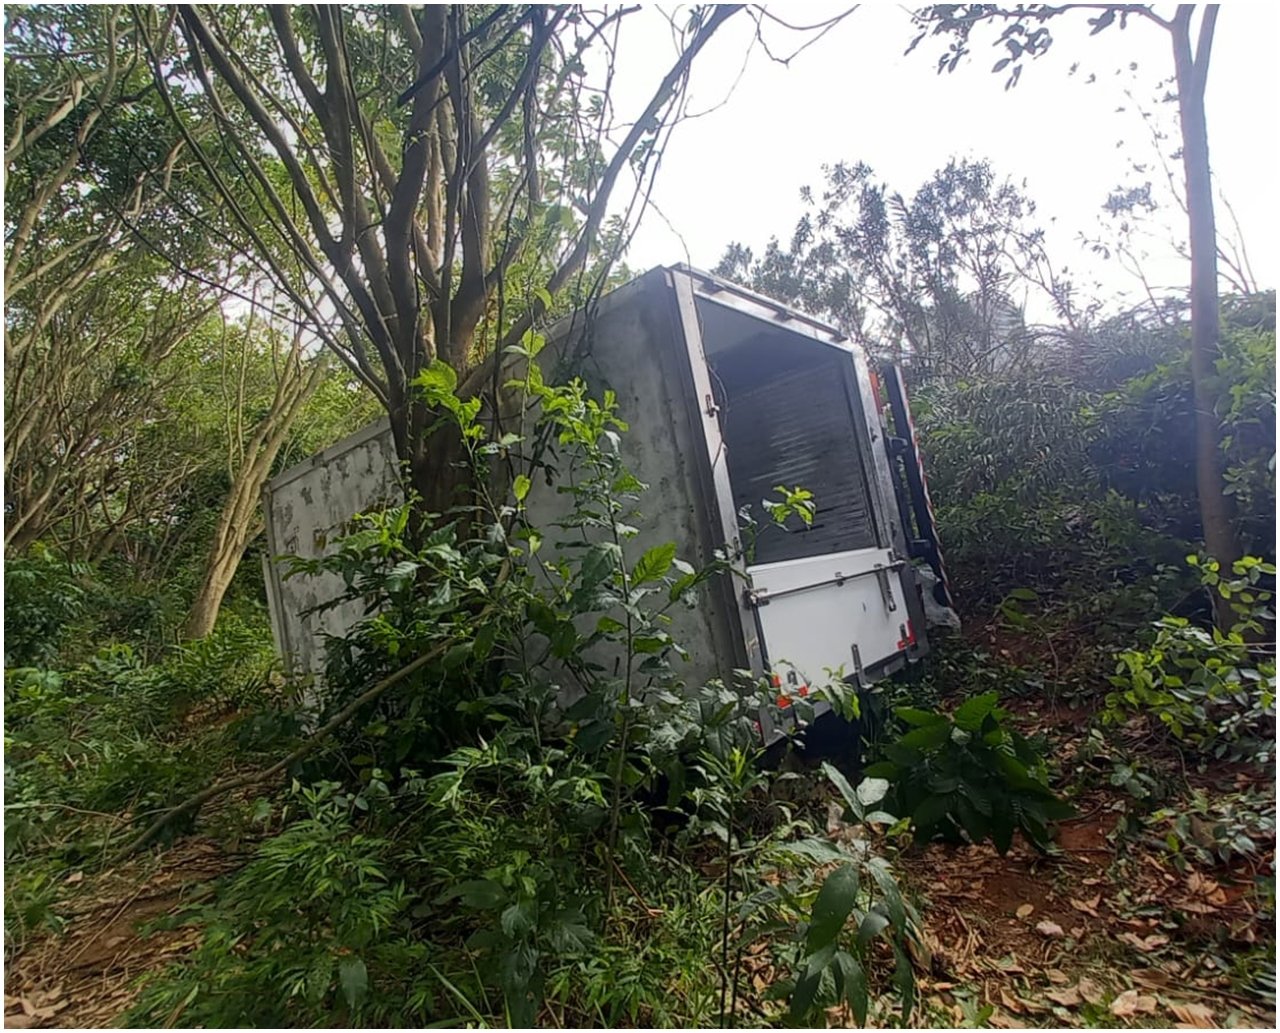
(1192, 70)
(241, 519)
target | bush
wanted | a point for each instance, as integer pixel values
(1211, 690)
(115, 739)
(290, 941)
(968, 774)
(43, 595)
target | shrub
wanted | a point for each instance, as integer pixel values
(43, 595)
(968, 773)
(1211, 690)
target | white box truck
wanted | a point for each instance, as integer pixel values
(728, 395)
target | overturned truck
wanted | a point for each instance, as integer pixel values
(728, 395)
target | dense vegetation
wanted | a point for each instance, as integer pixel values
(439, 834)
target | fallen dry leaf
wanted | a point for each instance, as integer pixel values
(1011, 1002)
(1056, 975)
(1068, 996)
(1132, 1003)
(1002, 1021)
(1193, 1016)
(1025, 909)
(1146, 944)
(1089, 907)
(1090, 990)
(1051, 929)
(73, 878)
(1196, 907)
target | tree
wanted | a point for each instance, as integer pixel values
(408, 160)
(1026, 33)
(256, 429)
(93, 314)
(931, 280)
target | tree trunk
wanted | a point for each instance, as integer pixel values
(240, 519)
(220, 571)
(1192, 70)
(435, 470)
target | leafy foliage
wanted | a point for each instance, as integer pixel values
(1215, 691)
(112, 740)
(969, 772)
(858, 904)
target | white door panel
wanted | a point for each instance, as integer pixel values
(814, 611)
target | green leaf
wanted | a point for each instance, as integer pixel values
(970, 713)
(354, 978)
(599, 563)
(874, 922)
(482, 894)
(931, 811)
(925, 738)
(654, 563)
(437, 379)
(458, 655)
(855, 985)
(872, 790)
(837, 779)
(809, 981)
(520, 488)
(835, 900)
(920, 718)
(820, 850)
(519, 918)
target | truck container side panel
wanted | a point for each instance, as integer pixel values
(308, 508)
(635, 349)
(632, 345)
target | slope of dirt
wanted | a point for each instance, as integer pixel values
(1110, 929)
(88, 975)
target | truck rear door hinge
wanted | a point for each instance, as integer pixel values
(886, 591)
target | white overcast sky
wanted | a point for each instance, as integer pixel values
(735, 174)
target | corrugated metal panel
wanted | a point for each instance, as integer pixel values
(797, 429)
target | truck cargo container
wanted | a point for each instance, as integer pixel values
(727, 395)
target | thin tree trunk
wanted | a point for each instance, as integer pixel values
(220, 571)
(240, 519)
(1192, 70)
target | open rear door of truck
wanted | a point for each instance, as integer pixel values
(786, 402)
(911, 485)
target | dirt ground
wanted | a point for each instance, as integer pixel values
(87, 976)
(1089, 937)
